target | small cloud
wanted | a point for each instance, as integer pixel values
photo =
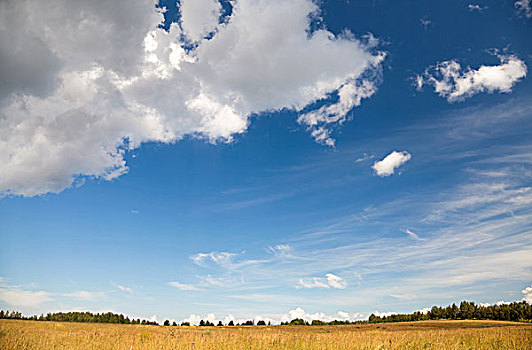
(134, 211)
(413, 235)
(418, 82)
(425, 23)
(364, 158)
(125, 289)
(392, 161)
(222, 282)
(455, 84)
(524, 7)
(336, 281)
(183, 286)
(475, 7)
(527, 294)
(330, 280)
(223, 259)
(280, 249)
(384, 314)
(84, 295)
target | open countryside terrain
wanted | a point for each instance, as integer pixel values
(20, 334)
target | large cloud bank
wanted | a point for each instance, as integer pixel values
(85, 81)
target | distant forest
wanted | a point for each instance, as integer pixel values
(516, 311)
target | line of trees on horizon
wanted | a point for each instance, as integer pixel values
(516, 311)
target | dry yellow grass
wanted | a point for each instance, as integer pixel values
(16, 334)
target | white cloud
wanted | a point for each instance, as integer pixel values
(412, 234)
(392, 161)
(384, 314)
(302, 314)
(222, 282)
(84, 295)
(84, 83)
(199, 17)
(475, 7)
(277, 318)
(16, 296)
(229, 318)
(183, 286)
(364, 158)
(349, 96)
(194, 319)
(425, 22)
(336, 281)
(280, 249)
(223, 259)
(524, 7)
(455, 84)
(527, 294)
(330, 280)
(125, 289)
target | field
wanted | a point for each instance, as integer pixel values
(17, 334)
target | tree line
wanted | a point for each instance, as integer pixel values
(516, 311)
(75, 316)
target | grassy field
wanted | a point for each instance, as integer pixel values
(16, 334)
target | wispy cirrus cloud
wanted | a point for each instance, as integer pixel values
(330, 280)
(125, 289)
(183, 286)
(84, 295)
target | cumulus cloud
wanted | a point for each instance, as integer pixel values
(527, 294)
(199, 17)
(194, 319)
(524, 7)
(330, 280)
(298, 312)
(392, 161)
(302, 314)
(455, 84)
(349, 96)
(85, 82)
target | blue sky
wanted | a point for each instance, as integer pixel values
(265, 159)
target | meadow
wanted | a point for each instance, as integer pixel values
(20, 334)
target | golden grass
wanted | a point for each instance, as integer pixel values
(16, 334)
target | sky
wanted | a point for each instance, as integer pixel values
(264, 159)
